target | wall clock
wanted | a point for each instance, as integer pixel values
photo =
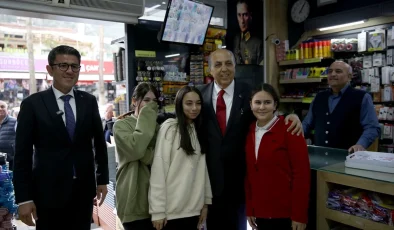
(300, 11)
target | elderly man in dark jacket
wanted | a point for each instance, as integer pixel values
(7, 133)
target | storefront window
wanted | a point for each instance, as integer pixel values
(89, 38)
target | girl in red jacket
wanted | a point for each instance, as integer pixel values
(278, 172)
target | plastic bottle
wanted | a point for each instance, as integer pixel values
(329, 51)
(312, 49)
(324, 49)
(306, 50)
(302, 51)
(320, 49)
(315, 49)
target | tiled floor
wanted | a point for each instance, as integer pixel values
(22, 226)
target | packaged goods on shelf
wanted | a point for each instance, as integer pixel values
(367, 61)
(306, 50)
(377, 40)
(281, 50)
(387, 75)
(362, 42)
(387, 93)
(389, 55)
(378, 59)
(338, 45)
(364, 204)
(197, 69)
(302, 73)
(390, 39)
(351, 45)
(344, 45)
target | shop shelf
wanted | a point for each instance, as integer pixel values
(305, 100)
(384, 103)
(299, 62)
(386, 121)
(355, 221)
(291, 100)
(304, 80)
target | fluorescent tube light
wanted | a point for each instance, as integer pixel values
(152, 8)
(172, 55)
(223, 47)
(342, 25)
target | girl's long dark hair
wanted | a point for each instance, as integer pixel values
(139, 93)
(183, 125)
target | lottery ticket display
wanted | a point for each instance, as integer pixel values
(187, 22)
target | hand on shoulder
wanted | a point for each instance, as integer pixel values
(294, 124)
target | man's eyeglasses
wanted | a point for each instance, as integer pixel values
(64, 67)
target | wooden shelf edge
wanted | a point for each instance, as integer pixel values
(304, 80)
(386, 121)
(299, 62)
(355, 181)
(355, 221)
(291, 100)
(295, 100)
(383, 102)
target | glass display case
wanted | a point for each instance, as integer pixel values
(328, 166)
(333, 161)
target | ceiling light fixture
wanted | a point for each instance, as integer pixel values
(163, 3)
(342, 25)
(172, 55)
(152, 8)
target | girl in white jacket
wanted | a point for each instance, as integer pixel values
(179, 185)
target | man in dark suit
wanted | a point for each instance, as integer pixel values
(69, 168)
(227, 117)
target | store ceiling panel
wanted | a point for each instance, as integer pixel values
(358, 14)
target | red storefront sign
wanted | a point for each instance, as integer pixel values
(92, 67)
